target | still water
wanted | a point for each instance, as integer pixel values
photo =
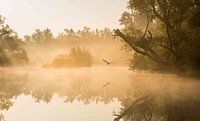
(95, 94)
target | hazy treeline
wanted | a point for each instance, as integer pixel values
(42, 46)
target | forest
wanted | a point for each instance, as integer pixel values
(160, 35)
(44, 49)
(164, 34)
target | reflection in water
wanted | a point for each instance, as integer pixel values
(161, 98)
(82, 85)
(143, 96)
(161, 108)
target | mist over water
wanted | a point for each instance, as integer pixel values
(146, 69)
(84, 94)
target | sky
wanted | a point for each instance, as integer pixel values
(24, 16)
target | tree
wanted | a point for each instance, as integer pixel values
(166, 35)
(11, 50)
(40, 36)
(77, 57)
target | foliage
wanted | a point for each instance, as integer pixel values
(40, 37)
(165, 32)
(68, 37)
(77, 57)
(100, 42)
(11, 51)
(141, 63)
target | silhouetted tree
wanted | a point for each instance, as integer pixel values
(166, 38)
(11, 47)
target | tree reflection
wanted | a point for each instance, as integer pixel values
(141, 101)
(14, 84)
(10, 87)
(161, 107)
(5, 101)
(2, 117)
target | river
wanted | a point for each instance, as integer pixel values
(94, 94)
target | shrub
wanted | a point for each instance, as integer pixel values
(77, 57)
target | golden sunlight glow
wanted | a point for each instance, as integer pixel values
(99, 60)
(6, 7)
(60, 14)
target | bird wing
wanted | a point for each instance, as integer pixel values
(106, 61)
(106, 84)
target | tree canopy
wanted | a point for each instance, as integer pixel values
(11, 50)
(164, 32)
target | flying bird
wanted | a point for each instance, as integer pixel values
(106, 84)
(108, 63)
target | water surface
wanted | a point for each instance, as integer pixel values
(92, 94)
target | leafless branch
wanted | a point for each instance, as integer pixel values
(146, 29)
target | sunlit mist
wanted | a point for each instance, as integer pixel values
(99, 60)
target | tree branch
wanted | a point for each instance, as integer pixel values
(135, 45)
(127, 40)
(148, 21)
(170, 49)
(155, 11)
